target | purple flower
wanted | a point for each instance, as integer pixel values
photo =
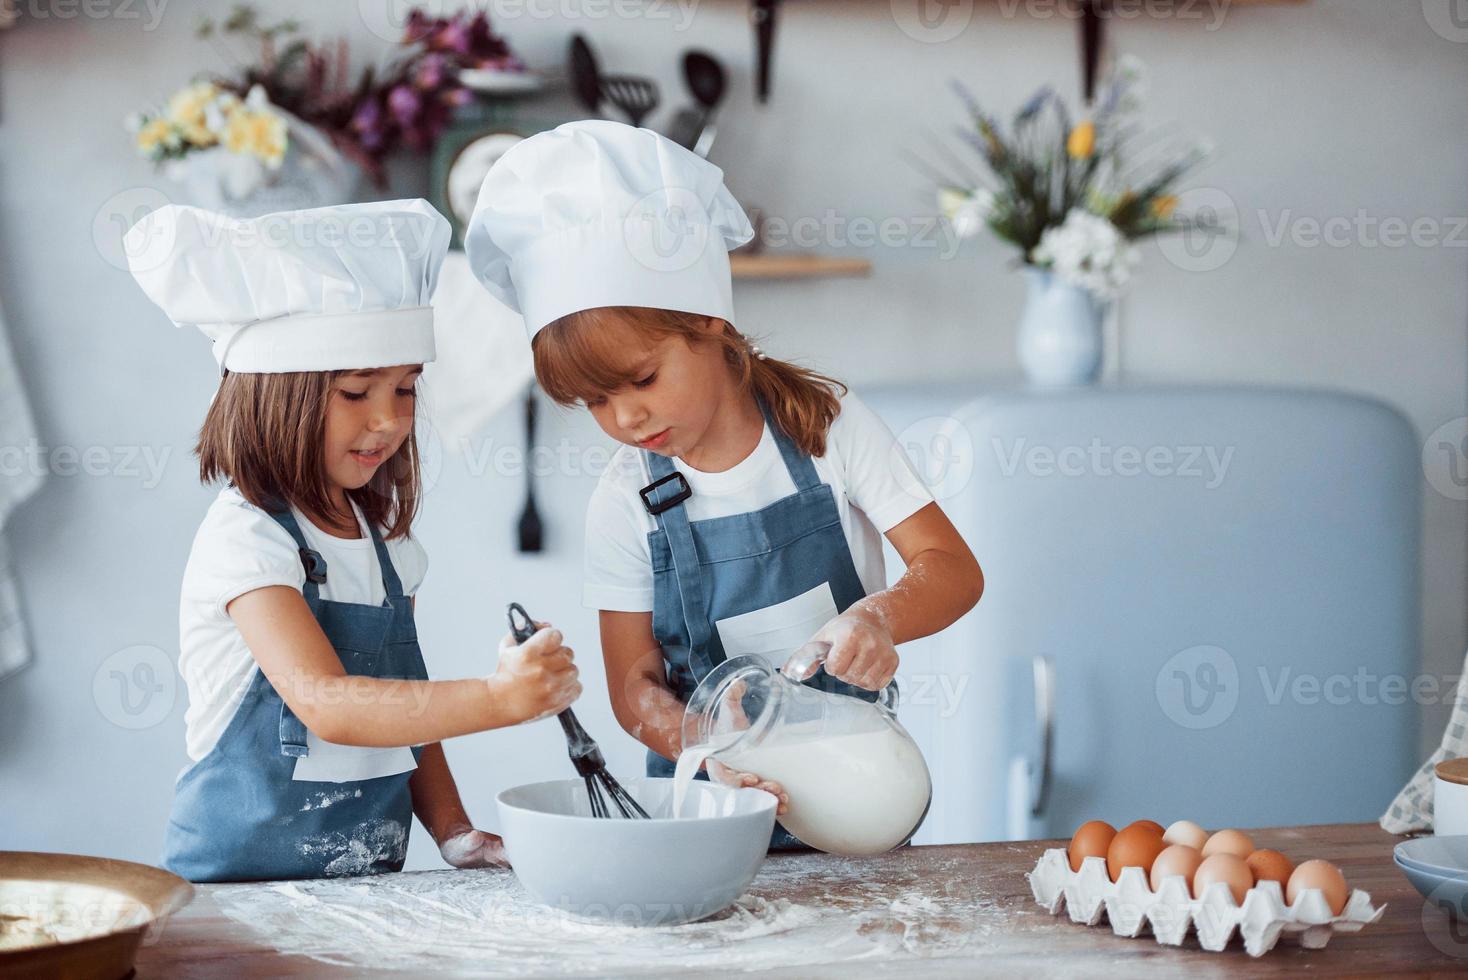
(404, 104)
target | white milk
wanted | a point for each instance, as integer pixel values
(690, 760)
(851, 794)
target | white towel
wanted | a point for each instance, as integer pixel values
(17, 482)
(1412, 809)
(483, 355)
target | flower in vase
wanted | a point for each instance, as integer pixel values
(252, 128)
(1081, 143)
(966, 211)
(157, 136)
(186, 110)
(1164, 206)
(1088, 251)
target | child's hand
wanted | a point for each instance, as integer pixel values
(474, 849)
(537, 678)
(862, 652)
(724, 776)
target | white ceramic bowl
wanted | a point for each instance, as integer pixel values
(654, 872)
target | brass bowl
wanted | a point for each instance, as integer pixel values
(66, 915)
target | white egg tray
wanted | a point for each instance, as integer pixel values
(1131, 906)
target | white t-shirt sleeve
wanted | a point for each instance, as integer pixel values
(239, 549)
(618, 563)
(411, 562)
(880, 479)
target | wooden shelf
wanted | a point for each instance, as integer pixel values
(786, 265)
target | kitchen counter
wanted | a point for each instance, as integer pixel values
(954, 910)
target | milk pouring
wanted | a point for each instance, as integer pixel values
(856, 781)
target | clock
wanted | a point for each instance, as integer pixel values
(468, 167)
(467, 149)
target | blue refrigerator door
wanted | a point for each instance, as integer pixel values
(1200, 603)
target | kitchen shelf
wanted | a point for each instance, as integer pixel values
(778, 265)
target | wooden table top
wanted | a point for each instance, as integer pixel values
(953, 910)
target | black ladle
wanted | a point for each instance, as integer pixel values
(585, 76)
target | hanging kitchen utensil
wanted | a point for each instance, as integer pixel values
(762, 16)
(585, 755)
(633, 95)
(687, 126)
(706, 80)
(530, 529)
(585, 76)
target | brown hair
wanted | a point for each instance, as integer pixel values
(266, 434)
(580, 357)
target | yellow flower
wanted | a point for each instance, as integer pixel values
(261, 133)
(1082, 141)
(154, 134)
(186, 111)
(1162, 207)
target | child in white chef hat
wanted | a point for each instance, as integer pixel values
(313, 729)
(744, 512)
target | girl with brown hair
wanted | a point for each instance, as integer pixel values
(312, 726)
(744, 511)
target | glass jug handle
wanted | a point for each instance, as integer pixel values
(804, 661)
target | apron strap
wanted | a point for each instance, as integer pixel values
(802, 470)
(311, 560)
(673, 520)
(391, 584)
(664, 498)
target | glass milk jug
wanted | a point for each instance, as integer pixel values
(857, 782)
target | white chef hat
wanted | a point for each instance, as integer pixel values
(324, 289)
(598, 213)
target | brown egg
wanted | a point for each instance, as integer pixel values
(1133, 847)
(1176, 859)
(1152, 825)
(1234, 842)
(1323, 875)
(1227, 868)
(1091, 839)
(1186, 832)
(1270, 865)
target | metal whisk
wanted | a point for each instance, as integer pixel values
(585, 755)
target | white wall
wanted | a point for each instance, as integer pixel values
(1318, 111)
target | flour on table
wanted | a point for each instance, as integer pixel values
(483, 921)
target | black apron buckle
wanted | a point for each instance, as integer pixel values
(314, 565)
(647, 493)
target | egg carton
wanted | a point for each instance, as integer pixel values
(1131, 906)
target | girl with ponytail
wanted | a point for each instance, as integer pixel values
(745, 510)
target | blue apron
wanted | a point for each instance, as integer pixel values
(238, 815)
(711, 570)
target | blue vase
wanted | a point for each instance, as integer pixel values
(1060, 333)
